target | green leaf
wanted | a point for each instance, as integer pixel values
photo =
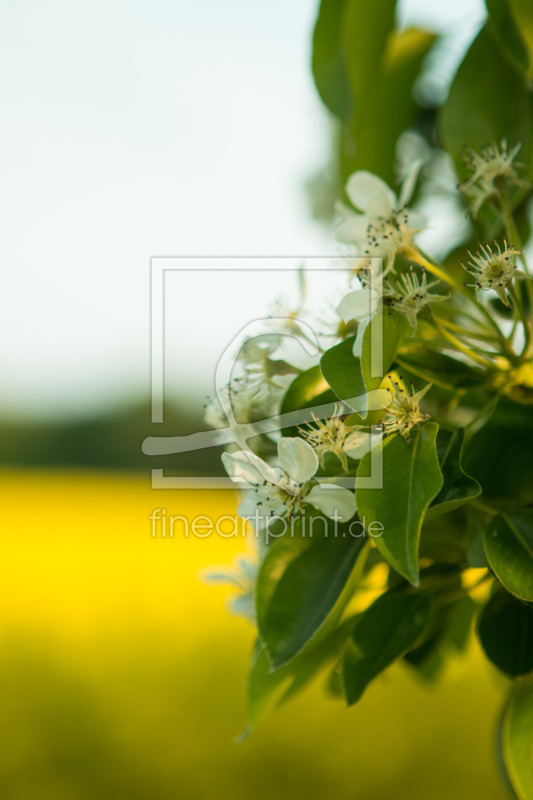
(516, 740)
(523, 14)
(381, 340)
(268, 690)
(411, 480)
(458, 487)
(329, 59)
(505, 631)
(300, 580)
(388, 106)
(475, 549)
(509, 548)
(439, 368)
(505, 29)
(389, 628)
(307, 390)
(365, 35)
(499, 457)
(342, 370)
(488, 100)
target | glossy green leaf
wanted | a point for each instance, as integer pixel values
(307, 390)
(517, 740)
(342, 370)
(300, 580)
(488, 100)
(458, 487)
(499, 457)
(389, 628)
(509, 548)
(411, 480)
(439, 368)
(329, 59)
(505, 30)
(381, 340)
(505, 631)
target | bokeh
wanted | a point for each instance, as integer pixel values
(135, 130)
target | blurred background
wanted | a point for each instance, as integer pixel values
(133, 130)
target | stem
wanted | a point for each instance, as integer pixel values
(439, 273)
(518, 306)
(458, 329)
(515, 238)
(463, 348)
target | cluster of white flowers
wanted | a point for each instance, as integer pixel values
(380, 232)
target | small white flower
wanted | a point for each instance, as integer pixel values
(260, 380)
(244, 404)
(491, 164)
(385, 227)
(334, 436)
(361, 305)
(493, 269)
(408, 295)
(282, 491)
(404, 410)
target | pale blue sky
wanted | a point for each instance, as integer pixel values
(133, 129)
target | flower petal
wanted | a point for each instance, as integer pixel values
(297, 459)
(246, 465)
(358, 444)
(417, 220)
(333, 501)
(353, 229)
(409, 181)
(357, 304)
(370, 194)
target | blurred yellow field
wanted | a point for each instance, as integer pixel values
(123, 676)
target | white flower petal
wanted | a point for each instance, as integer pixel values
(370, 194)
(357, 304)
(297, 459)
(333, 501)
(242, 605)
(417, 220)
(246, 465)
(352, 229)
(358, 444)
(222, 576)
(409, 181)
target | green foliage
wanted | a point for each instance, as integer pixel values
(516, 735)
(301, 579)
(364, 71)
(489, 100)
(411, 480)
(442, 469)
(509, 548)
(388, 629)
(457, 487)
(506, 633)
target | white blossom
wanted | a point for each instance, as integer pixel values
(282, 491)
(385, 227)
